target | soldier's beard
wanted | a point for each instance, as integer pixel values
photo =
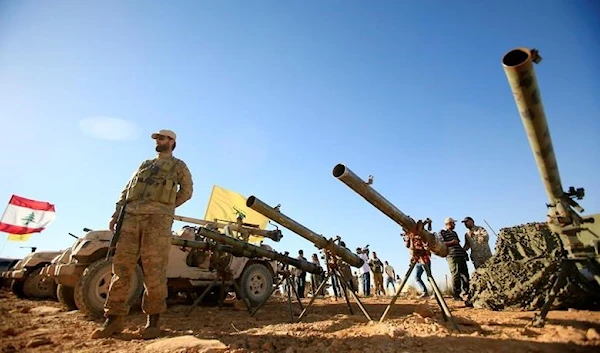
(161, 148)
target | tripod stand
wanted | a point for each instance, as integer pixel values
(420, 255)
(333, 270)
(225, 276)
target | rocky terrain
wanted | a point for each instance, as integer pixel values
(412, 325)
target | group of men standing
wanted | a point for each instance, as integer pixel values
(476, 240)
(375, 268)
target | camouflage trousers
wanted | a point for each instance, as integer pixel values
(378, 279)
(148, 238)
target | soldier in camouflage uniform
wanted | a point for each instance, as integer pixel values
(476, 239)
(150, 198)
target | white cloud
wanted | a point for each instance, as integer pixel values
(108, 128)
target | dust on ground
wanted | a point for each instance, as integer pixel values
(413, 325)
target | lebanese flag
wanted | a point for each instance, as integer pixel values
(24, 216)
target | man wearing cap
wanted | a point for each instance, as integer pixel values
(476, 239)
(150, 198)
(365, 271)
(457, 260)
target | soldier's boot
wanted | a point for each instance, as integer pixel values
(152, 329)
(113, 325)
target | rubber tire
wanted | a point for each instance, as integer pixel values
(66, 296)
(94, 276)
(38, 286)
(256, 275)
(17, 288)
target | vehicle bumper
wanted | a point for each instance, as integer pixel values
(69, 274)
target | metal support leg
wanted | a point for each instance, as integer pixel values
(293, 289)
(358, 302)
(539, 319)
(197, 301)
(222, 293)
(404, 281)
(440, 299)
(289, 298)
(239, 293)
(343, 287)
(312, 299)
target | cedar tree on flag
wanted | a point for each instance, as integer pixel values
(25, 216)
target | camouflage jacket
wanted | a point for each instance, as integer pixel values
(184, 180)
(477, 240)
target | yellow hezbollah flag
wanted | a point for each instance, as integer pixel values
(19, 237)
(227, 205)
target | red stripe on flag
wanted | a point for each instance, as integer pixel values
(12, 229)
(32, 204)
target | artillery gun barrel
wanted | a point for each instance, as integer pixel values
(202, 245)
(253, 251)
(518, 67)
(345, 175)
(274, 235)
(320, 241)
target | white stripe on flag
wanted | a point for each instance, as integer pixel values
(26, 217)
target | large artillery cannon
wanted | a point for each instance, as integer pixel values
(345, 175)
(320, 241)
(579, 239)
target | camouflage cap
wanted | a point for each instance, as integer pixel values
(167, 133)
(467, 219)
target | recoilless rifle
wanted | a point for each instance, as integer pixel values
(415, 230)
(579, 235)
(334, 253)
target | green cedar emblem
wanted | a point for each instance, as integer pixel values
(29, 219)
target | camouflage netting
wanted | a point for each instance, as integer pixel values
(521, 273)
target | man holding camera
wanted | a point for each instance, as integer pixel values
(365, 270)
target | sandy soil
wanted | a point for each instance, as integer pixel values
(412, 326)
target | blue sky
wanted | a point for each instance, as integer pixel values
(267, 97)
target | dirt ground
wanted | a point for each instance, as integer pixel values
(412, 325)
